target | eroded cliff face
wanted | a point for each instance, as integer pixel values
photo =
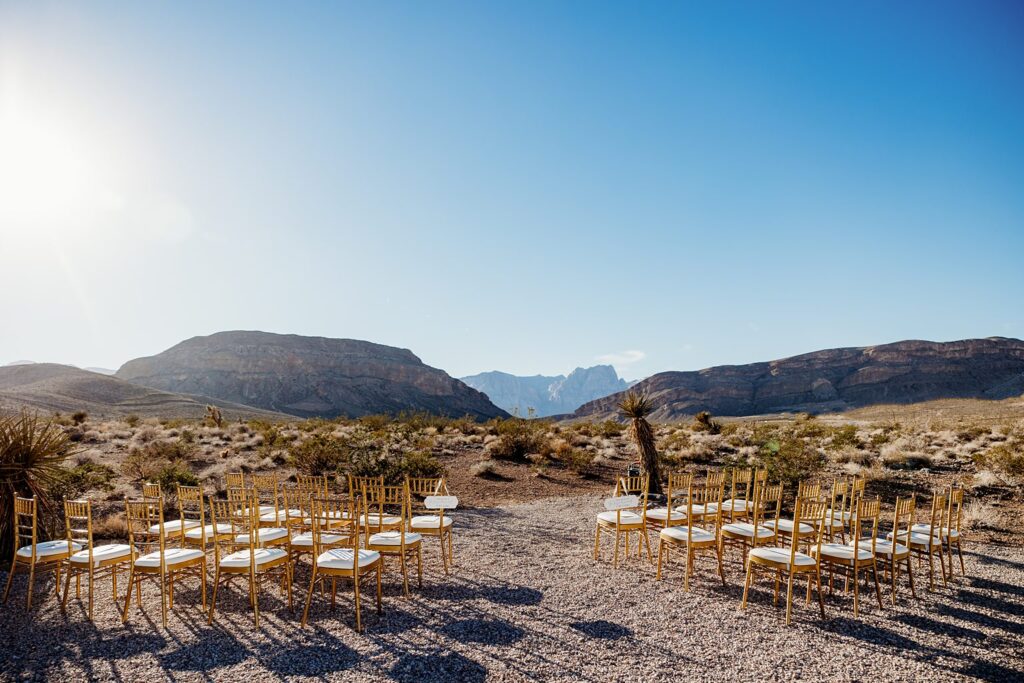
(307, 376)
(547, 395)
(837, 379)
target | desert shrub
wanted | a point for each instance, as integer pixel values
(422, 464)
(79, 416)
(907, 461)
(187, 436)
(578, 460)
(131, 420)
(173, 473)
(394, 466)
(88, 476)
(845, 436)
(972, 432)
(319, 454)
(1006, 458)
(214, 416)
(32, 450)
(809, 427)
(611, 428)
(703, 422)
(518, 438)
(484, 468)
(790, 459)
(375, 422)
(978, 514)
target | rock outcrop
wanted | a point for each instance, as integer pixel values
(307, 376)
(49, 387)
(547, 395)
(838, 379)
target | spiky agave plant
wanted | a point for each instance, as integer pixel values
(637, 407)
(32, 450)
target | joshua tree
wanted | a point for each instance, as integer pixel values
(213, 414)
(637, 407)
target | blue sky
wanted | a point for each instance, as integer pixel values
(518, 186)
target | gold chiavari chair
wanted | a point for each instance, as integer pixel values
(314, 483)
(375, 515)
(198, 534)
(32, 556)
(836, 516)
(859, 555)
(893, 554)
(679, 484)
(267, 491)
(790, 561)
(163, 565)
(693, 538)
(234, 480)
(929, 543)
(437, 523)
(266, 536)
(950, 533)
(345, 562)
(151, 489)
(739, 504)
(714, 481)
(246, 559)
(784, 527)
(378, 504)
(337, 530)
(421, 487)
(92, 560)
(622, 515)
(767, 505)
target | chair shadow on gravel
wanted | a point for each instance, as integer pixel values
(980, 618)
(942, 628)
(205, 653)
(605, 630)
(990, 671)
(999, 586)
(309, 659)
(874, 635)
(1010, 606)
(450, 666)
(483, 632)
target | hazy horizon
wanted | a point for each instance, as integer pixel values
(525, 188)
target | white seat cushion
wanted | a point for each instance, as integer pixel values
(264, 535)
(172, 556)
(372, 518)
(709, 509)
(240, 558)
(746, 529)
(102, 553)
(845, 552)
(174, 526)
(838, 514)
(341, 558)
(786, 526)
(883, 547)
(925, 529)
(781, 556)
(305, 540)
(660, 514)
(922, 540)
(394, 538)
(197, 533)
(678, 533)
(429, 522)
(264, 509)
(625, 517)
(737, 505)
(280, 515)
(48, 549)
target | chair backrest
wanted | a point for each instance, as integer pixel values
(712, 493)
(25, 524)
(242, 515)
(809, 511)
(78, 524)
(865, 518)
(356, 485)
(903, 517)
(626, 503)
(191, 507)
(739, 489)
(808, 489)
(327, 508)
(840, 489)
(713, 480)
(313, 484)
(676, 492)
(760, 477)
(767, 505)
(938, 516)
(427, 486)
(234, 480)
(636, 484)
(151, 489)
(956, 503)
(383, 500)
(141, 515)
(297, 508)
(266, 487)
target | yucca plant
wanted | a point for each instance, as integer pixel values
(637, 407)
(32, 450)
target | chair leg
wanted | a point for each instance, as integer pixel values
(405, 572)
(721, 567)
(380, 590)
(789, 599)
(960, 552)
(661, 547)
(892, 574)
(128, 595)
(746, 585)
(309, 595)
(942, 566)
(91, 577)
(821, 599)
(615, 560)
(856, 589)
(647, 542)
(31, 580)
(419, 565)
(878, 588)
(67, 590)
(163, 599)
(597, 543)
(689, 566)
(213, 598)
(202, 583)
(256, 596)
(359, 621)
(451, 550)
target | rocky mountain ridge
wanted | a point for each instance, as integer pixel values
(837, 379)
(547, 395)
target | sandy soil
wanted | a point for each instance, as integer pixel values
(528, 602)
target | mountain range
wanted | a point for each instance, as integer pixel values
(547, 395)
(836, 379)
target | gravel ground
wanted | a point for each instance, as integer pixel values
(527, 602)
